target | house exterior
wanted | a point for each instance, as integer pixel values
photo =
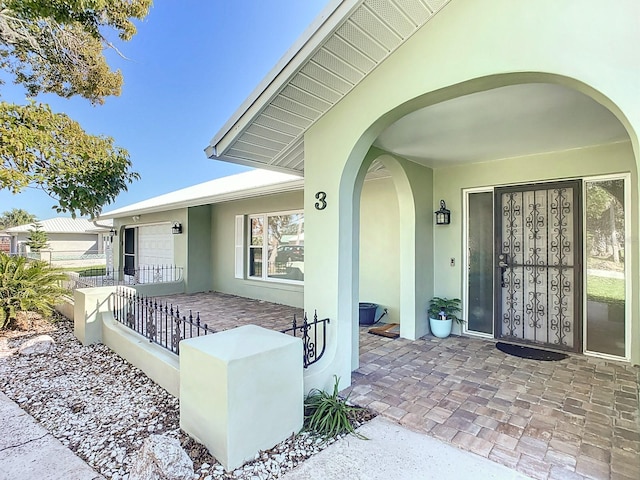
(522, 118)
(69, 240)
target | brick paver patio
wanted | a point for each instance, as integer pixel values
(573, 419)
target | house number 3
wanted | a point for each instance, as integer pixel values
(321, 204)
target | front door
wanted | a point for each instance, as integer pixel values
(538, 273)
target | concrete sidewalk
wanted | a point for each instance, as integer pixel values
(394, 452)
(29, 452)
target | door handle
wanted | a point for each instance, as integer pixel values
(502, 263)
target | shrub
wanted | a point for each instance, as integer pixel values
(329, 415)
(27, 285)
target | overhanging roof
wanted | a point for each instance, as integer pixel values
(233, 187)
(343, 45)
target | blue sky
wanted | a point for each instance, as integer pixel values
(189, 68)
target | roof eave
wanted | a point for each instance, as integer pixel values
(224, 197)
(288, 66)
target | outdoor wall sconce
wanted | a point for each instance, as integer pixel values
(177, 228)
(443, 216)
(113, 233)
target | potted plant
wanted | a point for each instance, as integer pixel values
(442, 312)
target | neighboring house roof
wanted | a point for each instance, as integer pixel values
(60, 225)
(233, 187)
(340, 48)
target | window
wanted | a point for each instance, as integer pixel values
(276, 246)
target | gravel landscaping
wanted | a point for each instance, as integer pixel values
(102, 407)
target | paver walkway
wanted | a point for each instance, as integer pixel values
(574, 419)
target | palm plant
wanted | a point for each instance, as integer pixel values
(450, 307)
(26, 285)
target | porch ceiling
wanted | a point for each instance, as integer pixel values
(507, 122)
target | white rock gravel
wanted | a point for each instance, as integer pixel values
(103, 408)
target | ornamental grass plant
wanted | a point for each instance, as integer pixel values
(329, 415)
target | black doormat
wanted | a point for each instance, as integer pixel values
(532, 353)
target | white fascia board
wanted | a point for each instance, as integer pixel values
(257, 164)
(224, 197)
(288, 66)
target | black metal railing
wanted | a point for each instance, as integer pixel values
(102, 277)
(314, 339)
(163, 324)
(160, 322)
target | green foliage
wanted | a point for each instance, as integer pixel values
(38, 238)
(46, 150)
(15, 217)
(26, 286)
(329, 415)
(450, 307)
(56, 46)
(605, 290)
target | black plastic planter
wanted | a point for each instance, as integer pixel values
(368, 313)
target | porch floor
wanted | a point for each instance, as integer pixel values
(573, 419)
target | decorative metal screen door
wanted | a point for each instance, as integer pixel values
(538, 264)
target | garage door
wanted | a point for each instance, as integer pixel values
(155, 245)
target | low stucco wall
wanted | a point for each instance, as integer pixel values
(94, 323)
(157, 363)
(241, 391)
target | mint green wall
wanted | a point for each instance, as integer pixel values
(449, 183)
(380, 246)
(198, 233)
(469, 46)
(577, 163)
(179, 242)
(223, 249)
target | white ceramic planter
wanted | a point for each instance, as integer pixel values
(440, 328)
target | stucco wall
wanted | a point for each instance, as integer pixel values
(77, 243)
(469, 46)
(179, 241)
(380, 247)
(199, 274)
(450, 182)
(223, 249)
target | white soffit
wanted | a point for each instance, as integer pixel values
(347, 41)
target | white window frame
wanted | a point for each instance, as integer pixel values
(628, 255)
(265, 246)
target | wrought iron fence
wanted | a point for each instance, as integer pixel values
(160, 322)
(102, 277)
(313, 335)
(163, 324)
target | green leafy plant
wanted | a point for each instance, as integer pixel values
(449, 306)
(330, 415)
(38, 238)
(26, 286)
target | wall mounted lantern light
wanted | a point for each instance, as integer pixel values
(112, 233)
(443, 216)
(177, 228)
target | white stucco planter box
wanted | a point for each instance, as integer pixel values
(241, 391)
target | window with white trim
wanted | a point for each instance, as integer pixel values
(276, 247)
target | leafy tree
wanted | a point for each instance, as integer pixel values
(15, 217)
(38, 238)
(56, 46)
(26, 285)
(42, 149)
